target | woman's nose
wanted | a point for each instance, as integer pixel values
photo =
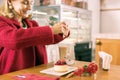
(29, 7)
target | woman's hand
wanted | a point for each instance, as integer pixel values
(65, 29)
(61, 28)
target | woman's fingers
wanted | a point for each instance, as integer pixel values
(61, 28)
(65, 30)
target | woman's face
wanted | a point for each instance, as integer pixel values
(22, 7)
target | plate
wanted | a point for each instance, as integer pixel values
(52, 72)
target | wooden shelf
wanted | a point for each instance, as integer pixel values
(112, 9)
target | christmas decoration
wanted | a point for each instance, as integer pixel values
(86, 70)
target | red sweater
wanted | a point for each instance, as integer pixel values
(22, 48)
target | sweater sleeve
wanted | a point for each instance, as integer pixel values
(18, 38)
(57, 37)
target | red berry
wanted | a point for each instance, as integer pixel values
(60, 62)
(92, 68)
(78, 72)
(63, 61)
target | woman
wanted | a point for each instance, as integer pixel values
(22, 41)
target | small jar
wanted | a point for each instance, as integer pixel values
(69, 59)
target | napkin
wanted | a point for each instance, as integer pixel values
(33, 77)
(106, 59)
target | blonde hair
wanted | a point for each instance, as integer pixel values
(6, 11)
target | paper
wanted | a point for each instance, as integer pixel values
(29, 76)
(106, 59)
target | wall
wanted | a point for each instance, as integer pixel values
(110, 4)
(94, 6)
(110, 17)
(110, 21)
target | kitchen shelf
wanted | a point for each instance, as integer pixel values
(78, 19)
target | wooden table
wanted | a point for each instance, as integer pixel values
(112, 74)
